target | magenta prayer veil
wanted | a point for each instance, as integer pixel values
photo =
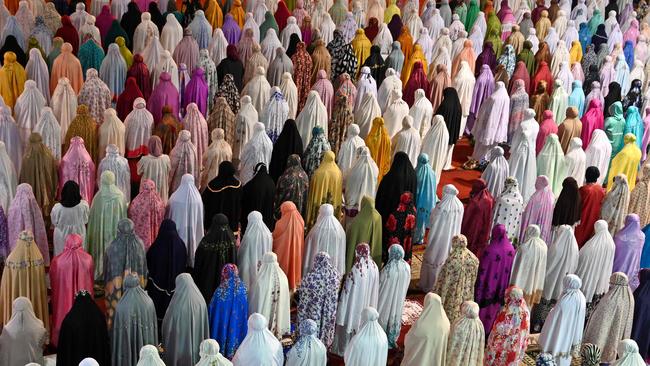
(164, 94)
(196, 91)
(78, 166)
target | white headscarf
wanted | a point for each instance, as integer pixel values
(598, 153)
(395, 112)
(436, 144)
(290, 92)
(496, 172)
(269, 45)
(576, 161)
(426, 342)
(112, 131)
(464, 84)
(368, 111)
(596, 259)
(144, 32)
(89, 361)
(491, 124)
(422, 113)
(172, 33)
(149, 356)
(259, 89)
(186, 210)
(384, 40)
(259, 347)
(257, 241)
(37, 70)
(562, 258)
(529, 266)
(523, 161)
(508, 207)
(64, 104)
(251, 24)
(168, 65)
(327, 235)
(23, 335)
(628, 354)
(8, 179)
(27, 110)
(217, 47)
(11, 137)
(563, 327)
(551, 163)
(391, 82)
(257, 150)
(312, 114)
(616, 203)
(360, 179)
(244, 124)
(394, 281)
(116, 163)
(308, 349)
(152, 54)
(347, 154)
(369, 346)
(467, 338)
(365, 84)
(269, 296)
(407, 140)
(138, 125)
(275, 112)
(446, 220)
(50, 131)
(290, 28)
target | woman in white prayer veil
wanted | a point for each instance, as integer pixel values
(270, 44)
(185, 323)
(28, 109)
(244, 124)
(137, 125)
(64, 104)
(149, 356)
(383, 39)
(308, 349)
(598, 153)
(186, 210)
(496, 172)
(508, 208)
(446, 220)
(152, 54)
(435, 144)
(360, 180)
(112, 131)
(172, 33)
(23, 336)
(251, 24)
(464, 85)
(290, 93)
(476, 36)
(595, 262)
(562, 332)
(144, 32)
(258, 8)
(168, 65)
(269, 296)
(395, 112)
(628, 354)
(466, 343)
(89, 361)
(616, 203)
(11, 137)
(50, 131)
(259, 89)
(391, 82)
(407, 140)
(349, 151)
(367, 112)
(259, 347)
(360, 290)
(313, 114)
(575, 159)
(210, 355)
(426, 341)
(551, 163)
(532, 38)
(8, 178)
(394, 281)
(37, 70)
(195, 123)
(116, 163)
(523, 160)
(365, 84)
(491, 124)
(89, 29)
(529, 266)
(441, 57)
(257, 150)
(327, 235)
(369, 345)
(290, 28)
(156, 166)
(422, 113)
(326, 28)
(552, 39)
(217, 47)
(560, 55)
(257, 241)
(562, 259)
(217, 152)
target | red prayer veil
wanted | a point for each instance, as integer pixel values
(125, 100)
(478, 217)
(418, 80)
(282, 14)
(140, 72)
(69, 33)
(543, 74)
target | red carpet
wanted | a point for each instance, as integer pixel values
(459, 177)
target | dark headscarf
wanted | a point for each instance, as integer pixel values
(641, 321)
(259, 195)
(217, 248)
(115, 31)
(635, 96)
(477, 217)
(130, 19)
(156, 16)
(372, 29)
(127, 97)
(568, 206)
(600, 37)
(11, 45)
(231, 65)
(376, 64)
(293, 185)
(592, 75)
(223, 195)
(613, 96)
(486, 57)
(451, 110)
(69, 33)
(592, 174)
(343, 58)
(400, 178)
(395, 26)
(140, 72)
(70, 196)
(294, 39)
(166, 259)
(83, 333)
(287, 144)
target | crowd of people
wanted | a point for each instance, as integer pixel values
(218, 182)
